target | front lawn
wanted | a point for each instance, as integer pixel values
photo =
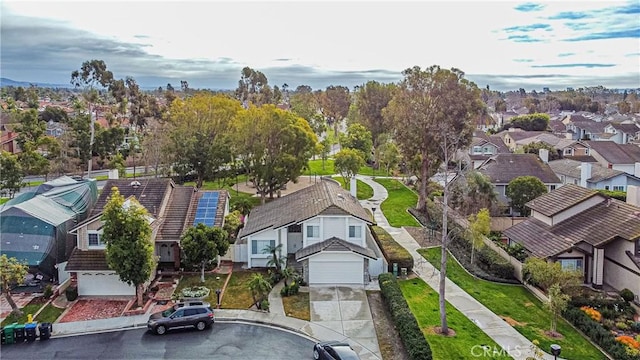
(4, 200)
(468, 339)
(211, 281)
(363, 191)
(237, 295)
(297, 306)
(49, 314)
(519, 307)
(395, 206)
(316, 168)
(30, 308)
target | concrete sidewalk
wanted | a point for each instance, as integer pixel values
(519, 347)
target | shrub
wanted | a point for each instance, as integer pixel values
(290, 290)
(264, 305)
(48, 291)
(71, 293)
(626, 295)
(598, 334)
(407, 325)
(622, 326)
(195, 292)
(392, 251)
(628, 341)
(593, 313)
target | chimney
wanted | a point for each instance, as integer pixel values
(585, 173)
(633, 195)
(353, 187)
(544, 155)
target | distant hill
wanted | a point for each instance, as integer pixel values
(4, 82)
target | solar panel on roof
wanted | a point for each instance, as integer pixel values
(207, 208)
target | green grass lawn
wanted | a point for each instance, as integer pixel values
(395, 206)
(363, 191)
(211, 281)
(224, 185)
(369, 171)
(49, 314)
(4, 200)
(237, 294)
(520, 307)
(30, 308)
(316, 168)
(423, 302)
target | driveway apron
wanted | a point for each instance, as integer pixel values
(345, 309)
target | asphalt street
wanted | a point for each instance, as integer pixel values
(222, 341)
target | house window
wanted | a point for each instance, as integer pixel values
(606, 187)
(571, 264)
(618, 188)
(552, 187)
(567, 152)
(355, 231)
(95, 239)
(638, 247)
(257, 246)
(294, 229)
(477, 150)
(313, 231)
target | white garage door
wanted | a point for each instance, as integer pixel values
(102, 284)
(336, 269)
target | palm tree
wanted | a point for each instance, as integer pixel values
(276, 259)
(289, 273)
(259, 287)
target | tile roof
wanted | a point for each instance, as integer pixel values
(87, 260)
(325, 197)
(535, 236)
(560, 199)
(557, 126)
(569, 167)
(502, 168)
(590, 126)
(626, 128)
(518, 135)
(601, 223)
(616, 153)
(582, 158)
(334, 244)
(150, 193)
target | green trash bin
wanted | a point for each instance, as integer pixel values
(18, 333)
(8, 333)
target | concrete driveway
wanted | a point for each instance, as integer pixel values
(346, 310)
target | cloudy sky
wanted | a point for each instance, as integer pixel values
(504, 44)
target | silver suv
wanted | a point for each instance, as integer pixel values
(180, 316)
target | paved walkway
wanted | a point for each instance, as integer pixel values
(500, 331)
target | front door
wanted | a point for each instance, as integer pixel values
(165, 253)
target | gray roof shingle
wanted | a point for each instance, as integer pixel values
(560, 199)
(569, 167)
(502, 168)
(334, 244)
(325, 197)
(616, 153)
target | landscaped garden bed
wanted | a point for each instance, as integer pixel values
(211, 282)
(393, 252)
(400, 199)
(520, 308)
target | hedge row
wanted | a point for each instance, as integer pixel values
(406, 324)
(598, 334)
(392, 251)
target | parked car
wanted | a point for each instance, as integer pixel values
(187, 315)
(331, 350)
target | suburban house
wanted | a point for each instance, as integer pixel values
(586, 231)
(514, 137)
(323, 230)
(623, 133)
(502, 168)
(587, 130)
(623, 157)
(592, 176)
(172, 209)
(483, 147)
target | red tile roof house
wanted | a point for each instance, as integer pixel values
(324, 231)
(586, 231)
(173, 208)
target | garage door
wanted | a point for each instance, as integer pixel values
(102, 284)
(336, 269)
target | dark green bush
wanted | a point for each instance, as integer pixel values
(392, 251)
(71, 293)
(598, 334)
(627, 295)
(48, 291)
(290, 290)
(407, 325)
